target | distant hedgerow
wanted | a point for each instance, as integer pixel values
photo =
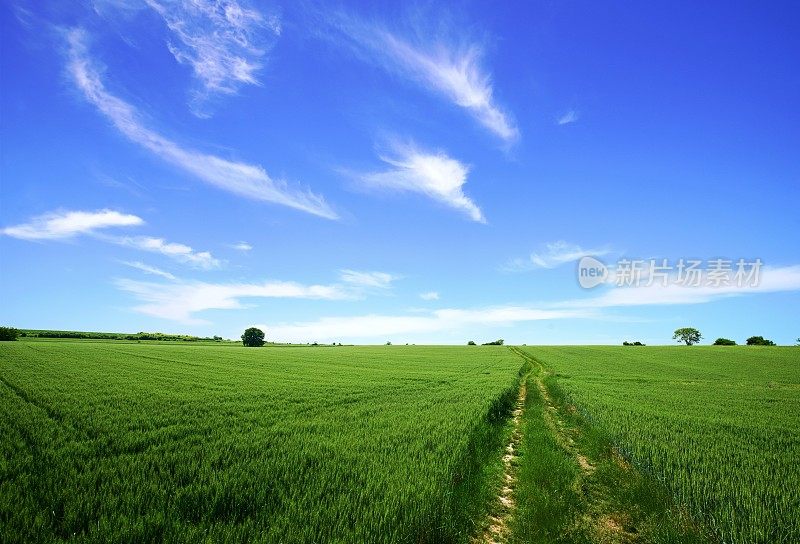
(8, 334)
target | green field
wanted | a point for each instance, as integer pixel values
(133, 442)
(140, 442)
(720, 426)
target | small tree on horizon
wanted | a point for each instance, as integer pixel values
(687, 335)
(253, 338)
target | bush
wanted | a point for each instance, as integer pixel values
(637, 343)
(724, 342)
(759, 341)
(8, 334)
(253, 338)
(471, 343)
(495, 343)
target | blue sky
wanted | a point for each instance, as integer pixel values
(425, 174)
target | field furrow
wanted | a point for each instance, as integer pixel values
(180, 443)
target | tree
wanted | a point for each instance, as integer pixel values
(687, 335)
(759, 341)
(724, 342)
(495, 343)
(8, 333)
(253, 338)
(471, 343)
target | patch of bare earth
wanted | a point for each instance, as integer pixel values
(497, 526)
(621, 461)
(614, 528)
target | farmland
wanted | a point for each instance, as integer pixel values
(720, 427)
(149, 441)
(135, 442)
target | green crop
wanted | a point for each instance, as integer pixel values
(719, 426)
(112, 442)
(141, 442)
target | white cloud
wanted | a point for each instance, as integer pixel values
(433, 174)
(382, 326)
(379, 280)
(66, 224)
(147, 269)
(430, 295)
(223, 42)
(243, 179)
(569, 117)
(772, 279)
(452, 70)
(180, 301)
(179, 252)
(555, 254)
(327, 329)
(242, 246)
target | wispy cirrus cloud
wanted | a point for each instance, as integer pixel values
(247, 180)
(60, 225)
(242, 246)
(433, 174)
(383, 326)
(451, 68)
(176, 251)
(569, 117)
(553, 255)
(182, 300)
(222, 41)
(67, 224)
(375, 280)
(147, 269)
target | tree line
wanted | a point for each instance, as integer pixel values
(10, 333)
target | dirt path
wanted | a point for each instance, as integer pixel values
(560, 431)
(601, 499)
(497, 529)
(606, 526)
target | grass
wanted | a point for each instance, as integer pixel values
(718, 427)
(115, 442)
